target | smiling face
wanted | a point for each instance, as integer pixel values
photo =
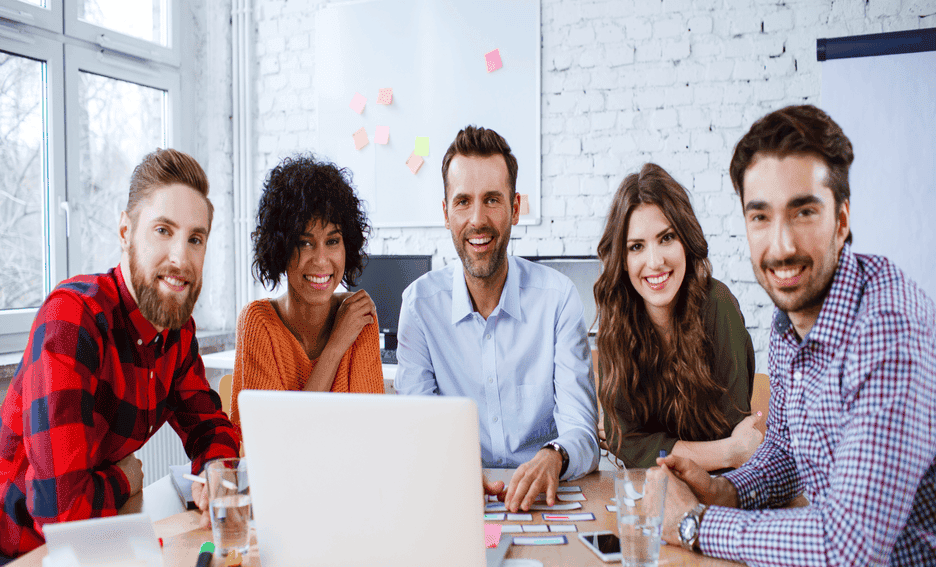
(656, 261)
(479, 212)
(164, 251)
(794, 231)
(315, 269)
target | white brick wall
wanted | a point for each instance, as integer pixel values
(676, 82)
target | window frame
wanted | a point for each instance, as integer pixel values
(112, 40)
(24, 13)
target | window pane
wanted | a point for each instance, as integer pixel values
(120, 123)
(40, 3)
(21, 182)
(145, 19)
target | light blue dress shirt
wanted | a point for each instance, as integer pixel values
(527, 367)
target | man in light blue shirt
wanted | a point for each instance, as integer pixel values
(508, 333)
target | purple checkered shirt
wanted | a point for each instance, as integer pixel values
(851, 425)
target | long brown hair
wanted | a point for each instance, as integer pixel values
(641, 378)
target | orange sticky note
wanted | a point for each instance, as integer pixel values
(414, 162)
(492, 534)
(382, 135)
(384, 96)
(358, 102)
(524, 204)
(360, 138)
(493, 60)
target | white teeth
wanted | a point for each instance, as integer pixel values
(318, 279)
(174, 281)
(658, 279)
(786, 274)
(480, 240)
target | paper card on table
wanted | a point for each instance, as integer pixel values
(494, 517)
(384, 96)
(382, 135)
(493, 60)
(414, 162)
(524, 204)
(490, 497)
(495, 507)
(574, 497)
(611, 508)
(552, 540)
(422, 146)
(563, 528)
(360, 138)
(519, 517)
(358, 102)
(570, 488)
(492, 534)
(582, 517)
(558, 507)
(511, 528)
(532, 528)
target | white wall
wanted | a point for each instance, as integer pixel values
(676, 82)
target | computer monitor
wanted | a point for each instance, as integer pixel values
(384, 279)
(583, 271)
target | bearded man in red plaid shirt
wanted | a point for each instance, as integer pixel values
(110, 359)
(852, 363)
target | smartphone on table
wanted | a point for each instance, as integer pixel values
(605, 545)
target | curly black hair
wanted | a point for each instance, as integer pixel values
(297, 190)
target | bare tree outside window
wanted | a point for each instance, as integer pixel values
(21, 182)
(144, 19)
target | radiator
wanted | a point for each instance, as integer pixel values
(163, 449)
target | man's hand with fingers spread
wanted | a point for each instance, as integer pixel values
(539, 474)
(200, 496)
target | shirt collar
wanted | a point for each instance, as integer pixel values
(839, 304)
(510, 296)
(146, 331)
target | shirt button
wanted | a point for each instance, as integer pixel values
(495, 419)
(488, 336)
(500, 461)
(752, 494)
(139, 341)
(490, 380)
(797, 375)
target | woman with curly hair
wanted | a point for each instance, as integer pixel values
(310, 227)
(677, 364)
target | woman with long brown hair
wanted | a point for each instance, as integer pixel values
(676, 363)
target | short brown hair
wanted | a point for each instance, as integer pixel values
(801, 129)
(481, 142)
(166, 167)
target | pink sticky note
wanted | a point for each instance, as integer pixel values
(358, 102)
(360, 138)
(493, 60)
(384, 96)
(492, 534)
(524, 204)
(414, 162)
(382, 135)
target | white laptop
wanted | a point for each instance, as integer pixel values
(355, 479)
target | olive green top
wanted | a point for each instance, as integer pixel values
(733, 368)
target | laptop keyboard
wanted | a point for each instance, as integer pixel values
(388, 356)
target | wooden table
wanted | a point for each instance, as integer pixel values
(182, 537)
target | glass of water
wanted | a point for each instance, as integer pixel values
(229, 505)
(640, 494)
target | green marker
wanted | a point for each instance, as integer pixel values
(205, 554)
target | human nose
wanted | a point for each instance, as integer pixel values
(654, 257)
(178, 252)
(781, 240)
(477, 217)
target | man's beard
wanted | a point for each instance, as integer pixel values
(816, 289)
(485, 267)
(161, 310)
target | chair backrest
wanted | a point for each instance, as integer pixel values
(760, 398)
(224, 390)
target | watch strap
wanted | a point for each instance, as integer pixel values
(562, 452)
(696, 517)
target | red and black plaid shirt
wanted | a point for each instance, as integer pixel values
(96, 381)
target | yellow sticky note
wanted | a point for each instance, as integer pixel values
(422, 146)
(360, 138)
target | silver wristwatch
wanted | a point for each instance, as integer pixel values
(689, 527)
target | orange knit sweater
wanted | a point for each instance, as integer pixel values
(269, 357)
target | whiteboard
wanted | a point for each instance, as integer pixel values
(887, 107)
(432, 54)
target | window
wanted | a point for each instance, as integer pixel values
(87, 87)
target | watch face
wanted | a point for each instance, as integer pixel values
(688, 528)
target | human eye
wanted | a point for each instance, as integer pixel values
(756, 217)
(334, 241)
(636, 247)
(807, 212)
(162, 231)
(196, 240)
(668, 237)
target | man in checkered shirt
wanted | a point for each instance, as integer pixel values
(110, 359)
(852, 367)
